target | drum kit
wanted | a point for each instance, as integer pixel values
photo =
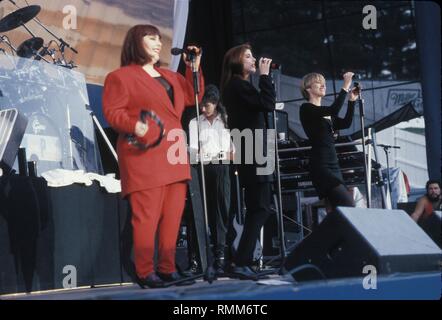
(34, 47)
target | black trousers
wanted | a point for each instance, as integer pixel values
(258, 198)
(218, 204)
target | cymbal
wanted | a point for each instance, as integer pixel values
(18, 17)
(29, 47)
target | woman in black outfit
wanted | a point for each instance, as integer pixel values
(247, 109)
(319, 124)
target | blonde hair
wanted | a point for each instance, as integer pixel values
(307, 81)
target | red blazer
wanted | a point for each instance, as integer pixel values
(126, 92)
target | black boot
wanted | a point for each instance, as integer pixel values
(194, 266)
(220, 263)
(243, 273)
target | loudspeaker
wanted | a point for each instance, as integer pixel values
(349, 239)
(12, 129)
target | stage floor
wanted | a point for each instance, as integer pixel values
(426, 286)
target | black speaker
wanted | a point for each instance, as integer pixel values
(349, 239)
(12, 129)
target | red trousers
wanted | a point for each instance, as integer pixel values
(157, 210)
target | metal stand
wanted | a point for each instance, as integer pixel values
(381, 183)
(103, 134)
(9, 44)
(364, 151)
(239, 208)
(209, 275)
(210, 272)
(388, 168)
(279, 214)
(386, 150)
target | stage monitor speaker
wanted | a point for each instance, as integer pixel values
(12, 129)
(351, 238)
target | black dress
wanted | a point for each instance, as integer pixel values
(324, 167)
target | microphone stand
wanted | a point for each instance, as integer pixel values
(210, 272)
(209, 275)
(103, 134)
(10, 45)
(386, 150)
(381, 181)
(360, 102)
(280, 216)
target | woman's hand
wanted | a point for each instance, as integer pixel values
(199, 53)
(141, 129)
(264, 66)
(347, 80)
(354, 93)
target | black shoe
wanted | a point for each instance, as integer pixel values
(175, 276)
(219, 272)
(260, 273)
(219, 261)
(195, 267)
(263, 275)
(151, 281)
(243, 273)
(185, 273)
(219, 265)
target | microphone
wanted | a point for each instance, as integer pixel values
(357, 75)
(273, 65)
(178, 51)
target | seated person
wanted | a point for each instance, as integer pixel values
(430, 202)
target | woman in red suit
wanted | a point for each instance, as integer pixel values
(155, 186)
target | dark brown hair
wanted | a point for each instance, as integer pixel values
(211, 94)
(232, 64)
(133, 48)
(427, 185)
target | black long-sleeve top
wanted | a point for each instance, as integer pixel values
(320, 130)
(247, 108)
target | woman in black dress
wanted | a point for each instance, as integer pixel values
(247, 110)
(319, 124)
